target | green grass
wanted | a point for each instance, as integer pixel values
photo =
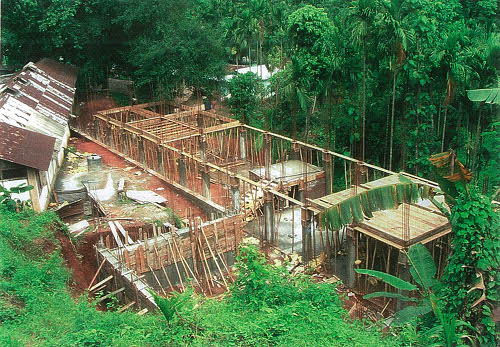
(37, 308)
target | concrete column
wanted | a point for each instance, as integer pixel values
(199, 121)
(360, 173)
(328, 167)
(295, 153)
(243, 143)
(181, 166)
(161, 167)
(96, 129)
(109, 136)
(404, 274)
(301, 194)
(306, 219)
(142, 155)
(203, 148)
(306, 222)
(267, 156)
(205, 181)
(235, 194)
(124, 143)
(351, 258)
(268, 218)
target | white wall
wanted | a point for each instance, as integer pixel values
(55, 164)
(13, 183)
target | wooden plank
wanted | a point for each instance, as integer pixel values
(110, 294)
(115, 234)
(378, 237)
(221, 127)
(100, 283)
(142, 312)
(433, 237)
(97, 273)
(123, 232)
(130, 304)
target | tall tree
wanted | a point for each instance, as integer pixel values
(362, 16)
(397, 35)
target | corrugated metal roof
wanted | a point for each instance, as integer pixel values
(63, 73)
(39, 98)
(25, 147)
(16, 113)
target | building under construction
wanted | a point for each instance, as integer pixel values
(249, 182)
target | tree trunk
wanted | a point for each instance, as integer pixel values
(387, 131)
(444, 127)
(294, 118)
(392, 118)
(477, 142)
(328, 110)
(363, 113)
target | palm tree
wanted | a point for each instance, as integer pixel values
(397, 35)
(452, 59)
(362, 14)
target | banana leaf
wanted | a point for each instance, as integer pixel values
(414, 193)
(400, 193)
(422, 267)
(489, 96)
(389, 279)
(334, 222)
(389, 295)
(408, 313)
(345, 212)
(357, 214)
(365, 204)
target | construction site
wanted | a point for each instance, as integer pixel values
(219, 181)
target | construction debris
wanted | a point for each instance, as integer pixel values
(145, 196)
(75, 228)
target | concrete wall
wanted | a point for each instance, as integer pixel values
(136, 289)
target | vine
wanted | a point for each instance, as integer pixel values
(471, 282)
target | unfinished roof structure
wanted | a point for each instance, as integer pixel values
(276, 187)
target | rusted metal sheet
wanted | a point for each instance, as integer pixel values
(25, 147)
(39, 98)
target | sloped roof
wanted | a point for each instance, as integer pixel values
(25, 147)
(39, 98)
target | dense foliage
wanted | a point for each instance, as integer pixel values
(381, 80)
(471, 282)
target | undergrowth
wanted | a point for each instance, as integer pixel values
(265, 307)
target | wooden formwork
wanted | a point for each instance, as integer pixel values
(169, 257)
(185, 147)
